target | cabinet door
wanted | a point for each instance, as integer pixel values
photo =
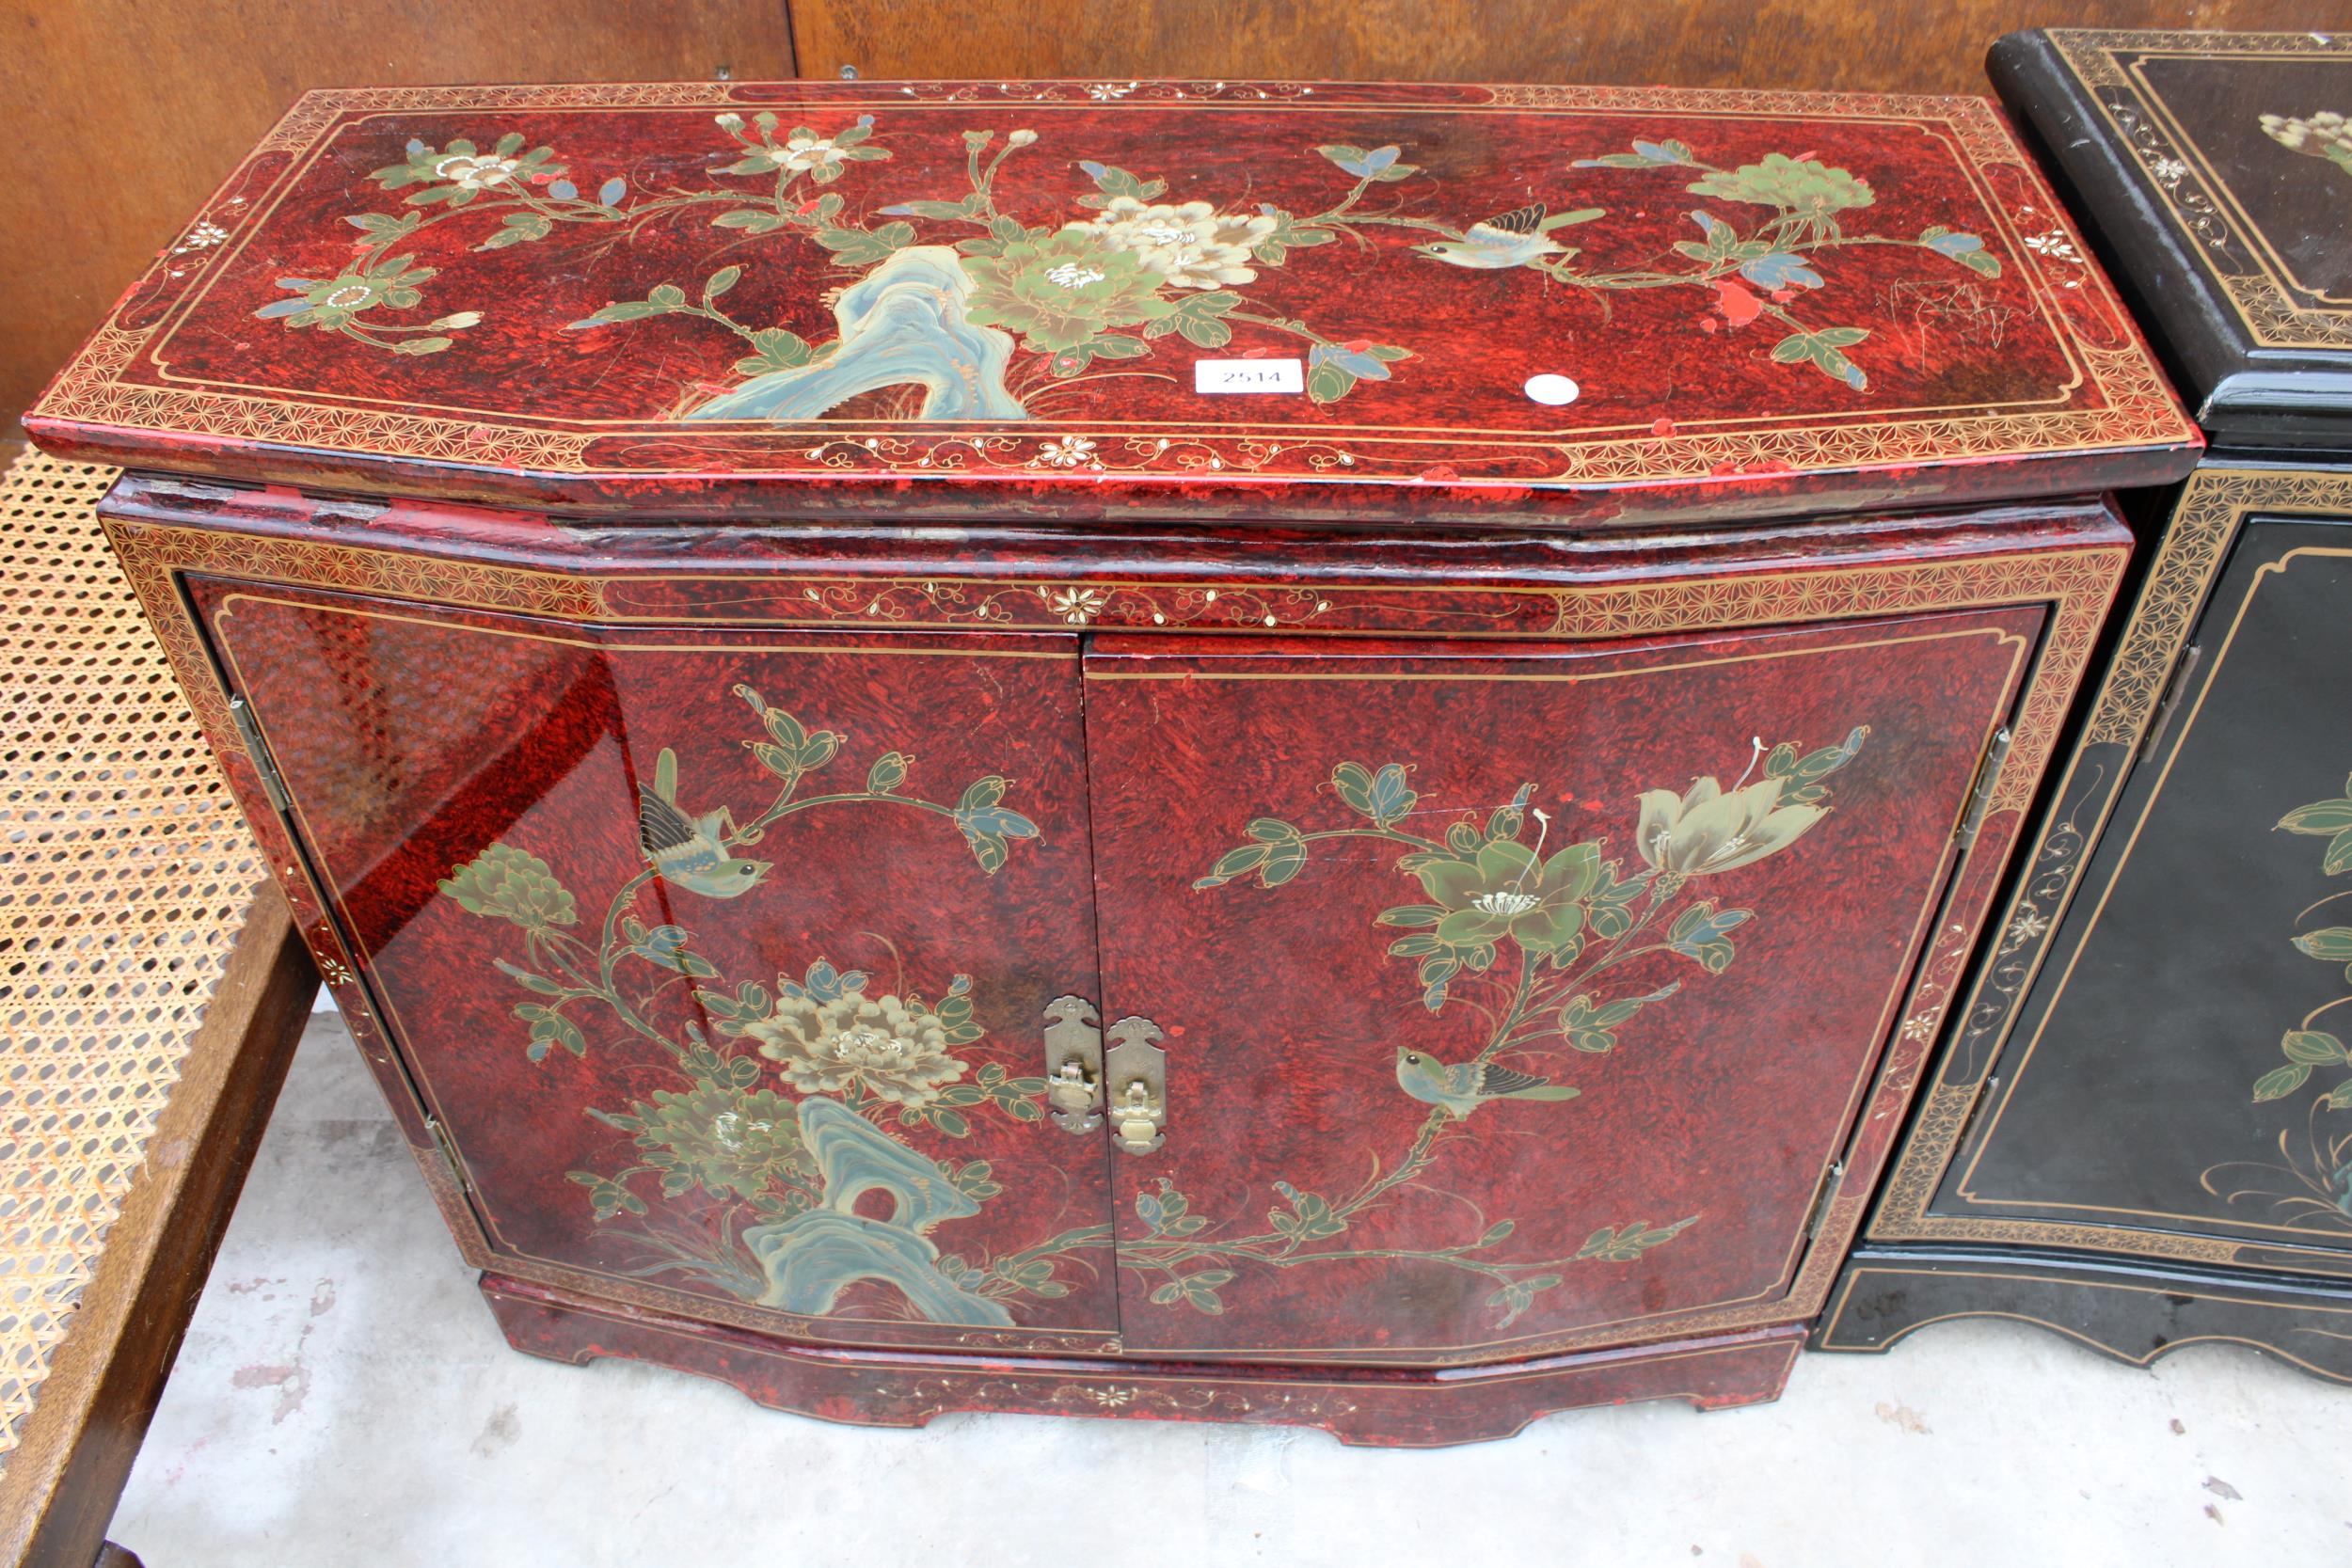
(2180, 1065)
(1509, 993)
(721, 959)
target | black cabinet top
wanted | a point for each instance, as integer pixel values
(2215, 168)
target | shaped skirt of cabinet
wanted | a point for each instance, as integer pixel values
(2140, 1133)
(1314, 981)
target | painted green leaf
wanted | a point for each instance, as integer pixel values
(1115, 183)
(1282, 862)
(2313, 1046)
(2332, 943)
(607, 1198)
(2281, 1082)
(1383, 796)
(888, 772)
(1328, 383)
(1506, 820)
(619, 310)
(2325, 818)
(1232, 863)
(986, 826)
(1698, 934)
(751, 220)
(1627, 1242)
(945, 211)
(539, 983)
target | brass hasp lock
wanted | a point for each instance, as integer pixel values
(1139, 1067)
(1074, 1064)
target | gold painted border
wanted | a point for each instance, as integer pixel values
(2251, 233)
(2075, 582)
(2266, 305)
(2205, 522)
(2137, 408)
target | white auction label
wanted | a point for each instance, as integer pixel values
(1248, 375)
(1553, 389)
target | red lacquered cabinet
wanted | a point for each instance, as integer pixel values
(1238, 752)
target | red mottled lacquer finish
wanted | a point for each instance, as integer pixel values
(1767, 303)
(435, 681)
(1373, 1408)
(1726, 1100)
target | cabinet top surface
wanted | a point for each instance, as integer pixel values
(1265, 299)
(2219, 166)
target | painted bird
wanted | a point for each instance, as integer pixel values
(688, 853)
(1461, 1088)
(1511, 239)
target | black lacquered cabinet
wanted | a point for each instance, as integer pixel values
(2139, 1131)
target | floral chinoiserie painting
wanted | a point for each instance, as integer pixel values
(1445, 284)
(802, 1143)
(2309, 1186)
(982, 296)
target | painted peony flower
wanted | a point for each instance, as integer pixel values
(1192, 245)
(1807, 188)
(1059, 290)
(1506, 892)
(723, 1139)
(880, 1045)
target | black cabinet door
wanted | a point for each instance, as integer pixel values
(2181, 1064)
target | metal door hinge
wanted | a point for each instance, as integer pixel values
(264, 765)
(1981, 793)
(2168, 705)
(1831, 1180)
(1985, 1092)
(449, 1153)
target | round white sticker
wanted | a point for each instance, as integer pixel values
(1554, 389)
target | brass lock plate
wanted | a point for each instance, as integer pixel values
(1074, 1064)
(1136, 1070)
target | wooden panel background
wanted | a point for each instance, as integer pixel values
(123, 113)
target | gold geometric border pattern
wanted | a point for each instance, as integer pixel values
(2077, 583)
(2205, 522)
(2136, 406)
(2275, 318)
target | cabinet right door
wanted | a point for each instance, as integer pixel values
(1509, 995)
(2180, 1065)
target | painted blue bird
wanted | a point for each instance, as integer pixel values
(689, 852)
(1511, 239)
(1461, 1088)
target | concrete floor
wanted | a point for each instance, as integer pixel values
(343, 1399)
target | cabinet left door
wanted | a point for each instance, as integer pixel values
(722, 960)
